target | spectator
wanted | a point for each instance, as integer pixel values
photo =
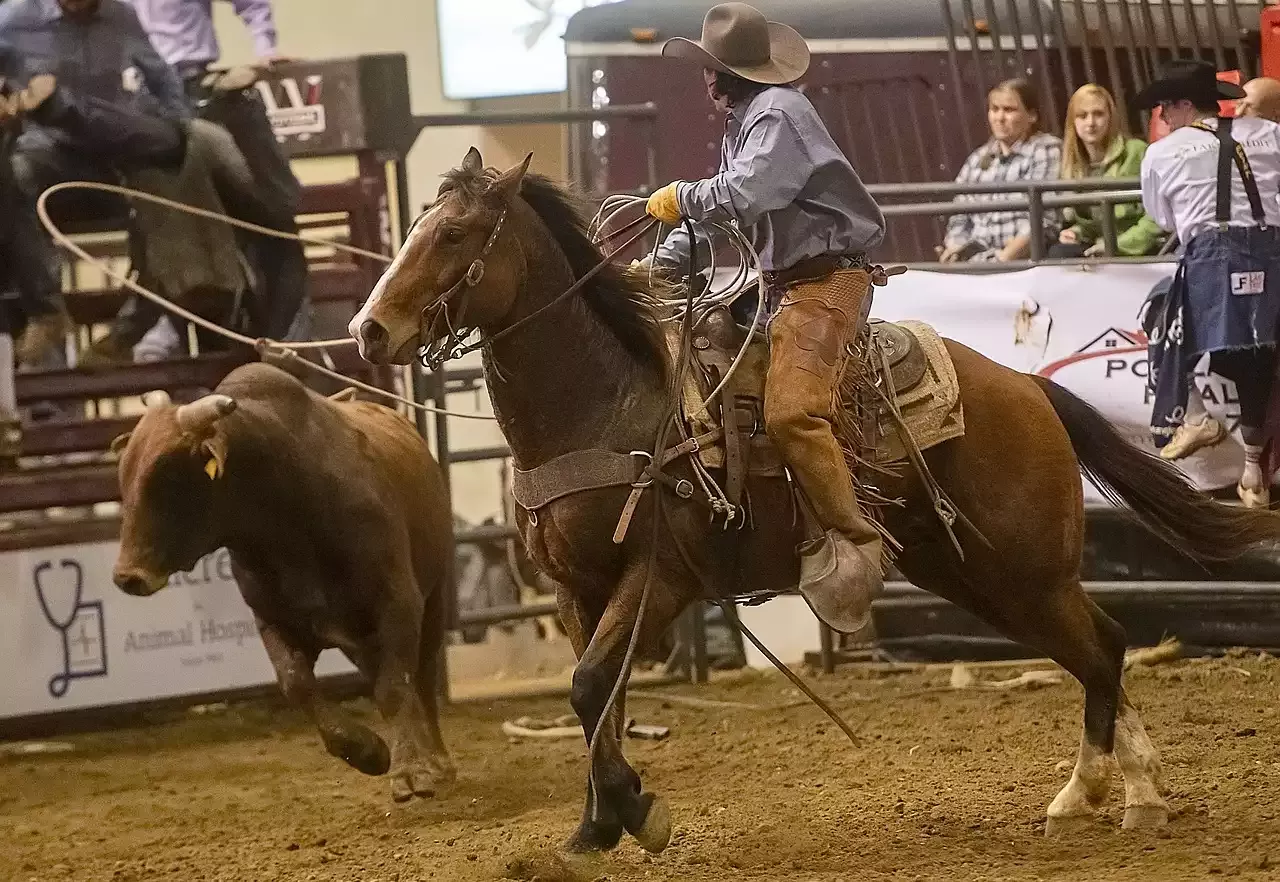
(97, 100)
(1097, 145)
(1017, 151)
(1261, 99)
(183, 33)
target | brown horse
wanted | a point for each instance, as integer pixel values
(591, 372)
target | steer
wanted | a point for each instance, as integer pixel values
(340, 534)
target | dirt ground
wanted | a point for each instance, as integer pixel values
(947, 785)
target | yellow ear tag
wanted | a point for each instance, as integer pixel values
(211, 468)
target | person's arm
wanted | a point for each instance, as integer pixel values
(1154, 200)
(767, 174)
(960, 226)
(161, 79)
(261, 24)
(1045, 165)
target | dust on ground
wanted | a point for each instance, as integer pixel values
(946, 785)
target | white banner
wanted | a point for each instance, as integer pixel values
(70, 639)
(1077, 325)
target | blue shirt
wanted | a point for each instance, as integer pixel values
(105, 55)
(182, 30)
(787, 184)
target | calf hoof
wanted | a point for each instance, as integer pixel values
(424, 782)
(1066, 825)
(654, 833)
(1145, 817)
(359, 748)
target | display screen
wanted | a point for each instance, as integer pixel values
(493, 48)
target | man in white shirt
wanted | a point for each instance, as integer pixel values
(1215, 181)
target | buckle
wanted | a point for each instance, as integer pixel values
(648, 457)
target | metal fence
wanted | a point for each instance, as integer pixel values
(1063, 44)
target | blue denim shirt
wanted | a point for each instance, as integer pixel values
(787, 184)
(106, 55)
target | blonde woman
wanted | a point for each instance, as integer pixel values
(1097, 145)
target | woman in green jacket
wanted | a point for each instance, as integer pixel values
(1096, 145)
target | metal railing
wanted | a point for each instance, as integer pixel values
(1037, 198)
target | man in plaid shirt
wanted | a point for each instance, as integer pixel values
(1017, 151)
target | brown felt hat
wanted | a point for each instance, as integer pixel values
(736, 39)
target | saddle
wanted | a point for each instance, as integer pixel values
(745, 449)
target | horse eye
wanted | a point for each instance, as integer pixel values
(455, 235)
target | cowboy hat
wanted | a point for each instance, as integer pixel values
(1195, 81)
(736, 39)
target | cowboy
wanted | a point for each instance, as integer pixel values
(786, 183)
(1214, 181)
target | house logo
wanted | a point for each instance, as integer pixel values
(78, 622)
(1115, 346)
(295, 111)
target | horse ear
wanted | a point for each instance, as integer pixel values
(472, 164)
(506, 185)
(120, 442)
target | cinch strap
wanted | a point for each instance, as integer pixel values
(1229, 148)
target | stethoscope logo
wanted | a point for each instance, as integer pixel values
(80, 622)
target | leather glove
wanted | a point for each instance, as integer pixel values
(664, 205)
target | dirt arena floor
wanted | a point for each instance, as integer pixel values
(946, 785)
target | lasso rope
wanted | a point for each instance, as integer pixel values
(265, 346)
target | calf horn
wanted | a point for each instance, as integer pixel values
(200, 415)
(156, 398)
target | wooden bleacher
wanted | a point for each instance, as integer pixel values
(345, 212)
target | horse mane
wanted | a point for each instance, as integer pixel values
(621, 299)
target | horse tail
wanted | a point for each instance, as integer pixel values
(1164, 501)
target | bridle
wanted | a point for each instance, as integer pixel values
(451, 344)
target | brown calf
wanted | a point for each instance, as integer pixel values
(337, 521)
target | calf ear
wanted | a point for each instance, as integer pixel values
(118, 443)
(214, 449)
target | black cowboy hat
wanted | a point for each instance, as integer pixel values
(1195, 81)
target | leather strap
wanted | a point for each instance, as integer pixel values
(1229, 150)
(574, 472)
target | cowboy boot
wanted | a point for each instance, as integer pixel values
(840, 563)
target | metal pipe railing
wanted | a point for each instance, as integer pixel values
(953, 188)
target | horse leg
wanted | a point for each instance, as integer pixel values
(600, 829)
(614, 789)
(1090, 645)
(1144, 807)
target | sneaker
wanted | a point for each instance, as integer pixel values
(42, 336)
(1191, 437)
(107, 352)
(1254, 498)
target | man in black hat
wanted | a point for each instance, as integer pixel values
(1214, 181)
(786, 183)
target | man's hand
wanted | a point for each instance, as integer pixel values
(664, 205)
(267, 62)
(1068, 236)
(949, 253)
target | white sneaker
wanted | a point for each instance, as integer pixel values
(1191, 437)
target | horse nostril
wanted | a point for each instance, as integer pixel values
(373, 332)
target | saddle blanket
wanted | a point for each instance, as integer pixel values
(924, 379)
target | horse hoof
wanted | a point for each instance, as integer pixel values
(359, 748)
(1066, 825)
(1145, 817)
(655, 833)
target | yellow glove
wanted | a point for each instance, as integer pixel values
(664, 205)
